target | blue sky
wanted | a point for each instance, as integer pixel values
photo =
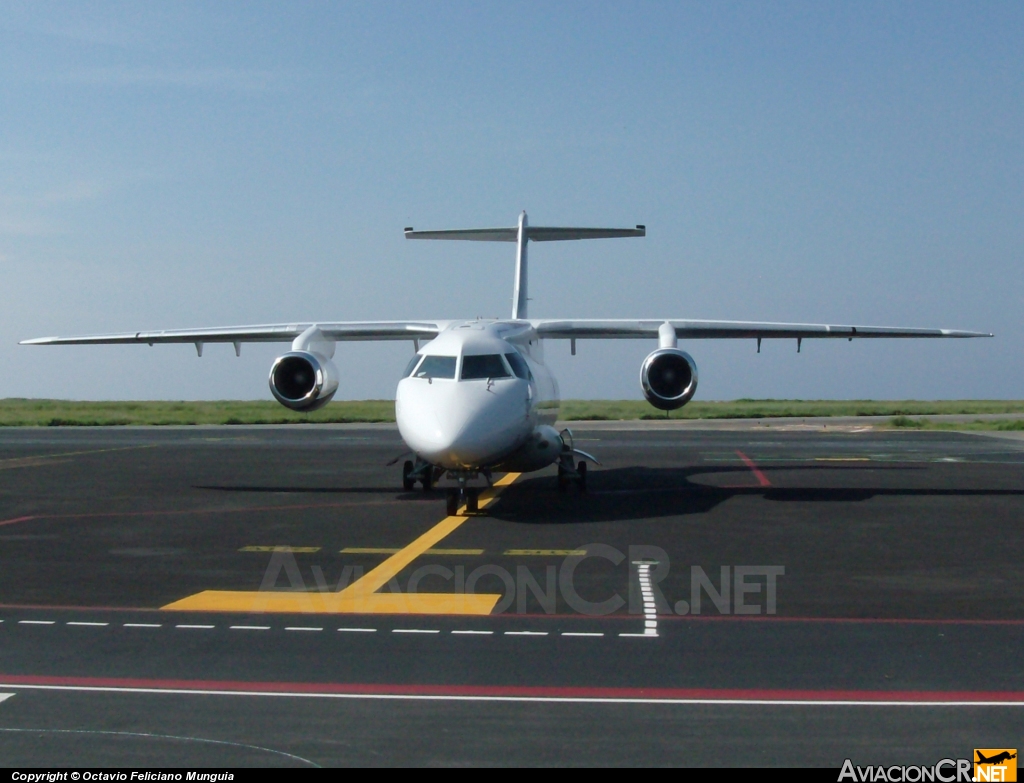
(186, 164)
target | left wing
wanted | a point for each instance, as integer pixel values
(687, 329)
(267, 333)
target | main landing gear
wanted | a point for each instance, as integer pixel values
(422, 472)
(567, 474)
(569, 471)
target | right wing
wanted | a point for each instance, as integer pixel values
(267, 333)
(696, 330)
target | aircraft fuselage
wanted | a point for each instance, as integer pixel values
(479, 396)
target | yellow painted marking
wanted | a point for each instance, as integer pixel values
(383, 550)
(382, 574)
(542, 552)
(335, 603)
(303, 549)
(55, 459)
(361, 597)
(842, 459)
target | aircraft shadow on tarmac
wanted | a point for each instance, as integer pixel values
(643, 493)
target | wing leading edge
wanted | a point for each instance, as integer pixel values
(267, 333)
(687, 329)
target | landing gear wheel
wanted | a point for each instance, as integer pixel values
(563, 479)
(408, 482)
(453, 502)
(581, 469)
(428, 479)
(472, 501)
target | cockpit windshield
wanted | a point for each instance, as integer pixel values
(482, 367)
(411, 365)
(518, 364)
(436, 367)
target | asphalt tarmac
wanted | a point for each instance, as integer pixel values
(783, 595)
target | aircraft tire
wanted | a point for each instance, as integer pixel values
(581, 468)
(408, 482)
(563, 479)
(453, 502)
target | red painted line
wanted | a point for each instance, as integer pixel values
(773, 618)
(514, 691)
(13, 521)
(761, 478)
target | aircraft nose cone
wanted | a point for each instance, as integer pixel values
(462, 425)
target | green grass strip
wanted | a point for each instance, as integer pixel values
(42, 413)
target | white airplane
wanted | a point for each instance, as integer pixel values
(476, 396)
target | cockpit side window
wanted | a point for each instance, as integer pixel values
(481, 367)
(411, 365)
(519, 365)
(436, 367)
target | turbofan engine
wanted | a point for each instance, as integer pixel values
(303, 381)
(669, 378)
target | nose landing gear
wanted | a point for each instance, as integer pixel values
(463, 496)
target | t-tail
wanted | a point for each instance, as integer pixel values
(522, 235)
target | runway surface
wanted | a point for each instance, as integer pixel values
(269, 596)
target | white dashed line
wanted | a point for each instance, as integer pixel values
(650, 623)
(5, 696)
(643, 571)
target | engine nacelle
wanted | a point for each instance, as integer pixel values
(669, 378)
(303, 381)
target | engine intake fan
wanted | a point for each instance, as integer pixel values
(669, 378)
(303, 381)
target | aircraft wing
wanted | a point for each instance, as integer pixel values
(688, 329)
(267, 333)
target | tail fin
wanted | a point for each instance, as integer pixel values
(522, 234)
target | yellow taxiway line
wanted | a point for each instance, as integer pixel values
(361, 597)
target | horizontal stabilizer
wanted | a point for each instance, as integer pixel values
(533, 233)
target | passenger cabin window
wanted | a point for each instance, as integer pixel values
(481, 367)
(411, 365)
(519, 365)
(436, 367)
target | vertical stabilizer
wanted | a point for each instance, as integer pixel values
(519, 291)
